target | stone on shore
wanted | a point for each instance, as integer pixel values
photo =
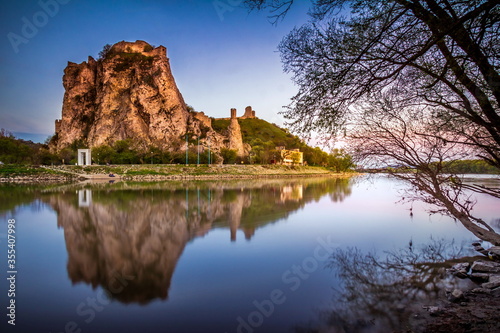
(456, 296)
(494, 282)
(485, 267)
(460, 270)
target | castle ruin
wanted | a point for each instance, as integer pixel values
(249, 114)
(203, 118)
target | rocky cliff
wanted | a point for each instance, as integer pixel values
(129, 93)
(235, 138)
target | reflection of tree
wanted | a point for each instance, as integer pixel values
(12, 197)
(395, 136)
(379, 294)
(342, 189)
(141, 231)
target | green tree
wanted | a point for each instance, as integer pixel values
(295, 157)
(230, 156)
(315, 156)
(125, 153)
(103, 154)
(18, 151)
(45, 157)
(340, 160)
(106, 50)
(67, 156)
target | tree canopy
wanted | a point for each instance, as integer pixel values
(439, 54)
(410, 83)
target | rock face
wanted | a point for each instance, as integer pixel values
(234, 133)
(130, 94)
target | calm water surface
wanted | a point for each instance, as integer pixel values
(237, 256)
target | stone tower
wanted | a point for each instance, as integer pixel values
(249, 113)
(234, 132)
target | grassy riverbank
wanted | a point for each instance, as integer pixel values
(13, 172)
(156, 172)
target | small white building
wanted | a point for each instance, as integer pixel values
(84, 198)
(84, 157)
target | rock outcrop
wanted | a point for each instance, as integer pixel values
(234, 133)
(130, 93)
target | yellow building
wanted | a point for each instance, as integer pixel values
(291, 157)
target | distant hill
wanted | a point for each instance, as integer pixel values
(34, 137)
(264, 138)
(470, 167)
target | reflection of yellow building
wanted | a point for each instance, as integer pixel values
(291, 192)
(291, 157)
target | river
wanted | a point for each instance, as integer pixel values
(234, 256)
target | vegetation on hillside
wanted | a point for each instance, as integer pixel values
(265, 138)
(470, 166)
(125, 152)
(18, 151)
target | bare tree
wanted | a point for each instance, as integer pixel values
(5, 133)
(277, 8)
(444, 54)
(413, 83)
(388, 135)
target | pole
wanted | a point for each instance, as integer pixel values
(187, 204)
(186, 149)
(198, 151)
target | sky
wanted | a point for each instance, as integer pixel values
(221, 55)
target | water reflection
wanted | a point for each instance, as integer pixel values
(84, 198)
(141, 230)
(382, 293)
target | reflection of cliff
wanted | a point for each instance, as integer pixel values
(142, 232)
(145, 241)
